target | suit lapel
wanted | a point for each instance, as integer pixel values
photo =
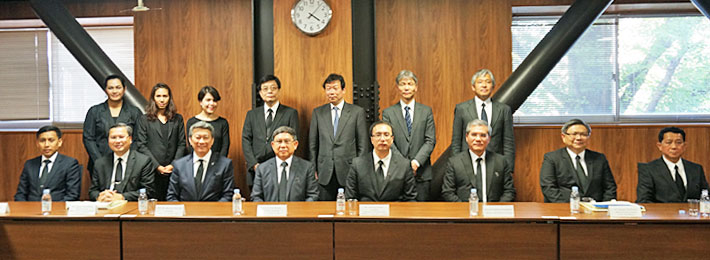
(390, 172)
(325, 116)
(190, 176)
(277, 118)
(490, 174)
(344, 116)
(590, 170)
(129, 171)
(496, 108)
(667, 177)
(570, 167)
(295, 168)
(260, 120)
(468, 164)
(35, 167)
(471, 110)
(402, 123)
(209, 174)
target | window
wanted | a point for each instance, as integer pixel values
(624, 68)
(41, 81)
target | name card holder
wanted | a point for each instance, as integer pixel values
(170, 210)
(625, 211)
(374, 210)
(279, 210)
(82, 209)
(4, 208)
(498, 211)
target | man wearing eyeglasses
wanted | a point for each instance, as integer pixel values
(670, 178)
(285, 177)
(382, 175)
(575, 165)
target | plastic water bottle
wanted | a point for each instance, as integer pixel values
(473, 203)
(574, 200)
(340, 202)
(142, 202)
(46, 202)
(237, 203)
(705, 204)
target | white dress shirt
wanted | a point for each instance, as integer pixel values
(273, 111)
(385, 162)
(52, 158)
(279, 168)
(196, 164)
(573, 156)
(474, 157)
(681, 170)
(124, 162)
(340, 111)
(489, 108)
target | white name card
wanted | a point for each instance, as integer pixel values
(170, 210)
(625, 211)
(279, 210)
(498, 211)
(375, 210)
(82, 209)
(4, 208)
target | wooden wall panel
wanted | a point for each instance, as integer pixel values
(190, 44)
(443, 43)
(302, 62)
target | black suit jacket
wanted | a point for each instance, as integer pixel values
(419, 145)
(256, 142)
(399, 183)
(138, 174)
(218, 184)
(301, 184)
(64, 180)
(558, 175)
(501, 129)
(459, 178)
(334, 154)
(655, 183)
(150, 140)
(96, 125)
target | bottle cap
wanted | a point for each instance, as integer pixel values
(142, 190)
(45, 191)
(473, 190)
(705, 192)
(341, 190)
(575, 188)
(236, 191)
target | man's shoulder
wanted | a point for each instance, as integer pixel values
(286, 109)
(65, 159)
(465, 103)
(354, 108)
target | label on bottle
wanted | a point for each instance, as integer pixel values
(704, 206)
(574, 205)
(46, 206)
(237, 206)
(143, 206)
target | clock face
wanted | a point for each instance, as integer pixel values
(311, 16)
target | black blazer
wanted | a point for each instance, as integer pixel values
(256, 142)
(655, 183)
(301, 184)
(459, 178)
(96, 125)
(558, 175)
(420, 143)
(399, 183)
(501, 129)
(218, 184)
(161, 149)
(64, 180)
(138, 174)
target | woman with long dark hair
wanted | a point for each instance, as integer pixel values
(209, 98)
(161, 135)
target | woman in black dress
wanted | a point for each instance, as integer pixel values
(161, 135)
(209, 98)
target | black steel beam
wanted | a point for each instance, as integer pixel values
(580, 15)
(703, 6)
(263, 34)
(83, 47)
(365, 88)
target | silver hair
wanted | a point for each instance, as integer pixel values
(477, 122)
(406, 74)
(576, 121)
(284, 129)
(482, 73)
(129, 129)
(202, 125)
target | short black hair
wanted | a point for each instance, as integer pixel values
(381, 122)
(576, 121)
(208, 90)
(670, 129)
(333, 77)
(268, 78)
(114, 76)
(49, 128)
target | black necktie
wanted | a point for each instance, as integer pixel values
(484, 115)
(119, 172)
(198, 178)
(580, 174)
(283, 192)
(479, 178)
(269, 121)
(408, 118)
(380, 175)
(679, 183)
(45, 171)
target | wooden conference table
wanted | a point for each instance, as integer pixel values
(435, 230)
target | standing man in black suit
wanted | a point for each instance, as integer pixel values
(285, 177)
(59, 173)
(478, 168)
(414, 131)
(260, 123)
(338, 133)
(575, 165)
(102, 116)
(670, 178)
(383, 175)
(202, 175)
(498, 116)
(119, 175)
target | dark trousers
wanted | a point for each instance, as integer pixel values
(423, 188)
(330, 191)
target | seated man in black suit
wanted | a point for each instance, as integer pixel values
(382, 175)
(575, 165)
(59, 173)
(285, 177)
(201, 175)
(122, 173)
(489, 166)
(670, 178)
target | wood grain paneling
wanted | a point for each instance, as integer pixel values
(190, 44)
(302, 62)
(443, 43)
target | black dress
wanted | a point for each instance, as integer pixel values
(96, 125)
(220, 134)
(163, 143)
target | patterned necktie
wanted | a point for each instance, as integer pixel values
(282, 184)
(45, 171)
(198, 178)
(408, 118)
(484, 115)
(335, 121)
(679, 183)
